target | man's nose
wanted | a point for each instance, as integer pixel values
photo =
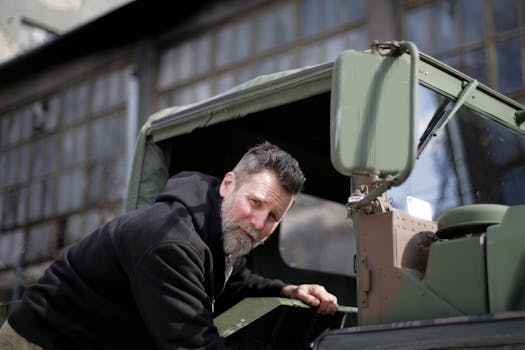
(258, 220)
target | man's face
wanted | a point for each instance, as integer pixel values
(251, 211)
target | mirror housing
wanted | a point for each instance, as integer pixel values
(372, 117)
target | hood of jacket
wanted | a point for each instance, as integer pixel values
(199, 193)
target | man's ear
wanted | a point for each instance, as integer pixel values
(227, 184)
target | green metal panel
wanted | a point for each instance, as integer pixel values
(251, 309)
(456, 272)
(370, 115)
(506, 262)
(503, 331)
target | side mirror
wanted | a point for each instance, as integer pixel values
(373, 121)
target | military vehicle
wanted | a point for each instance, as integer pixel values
(429, 164)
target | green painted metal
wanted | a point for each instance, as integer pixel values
(503, 331)
(456, 272)
(506, 262)
(251, 309)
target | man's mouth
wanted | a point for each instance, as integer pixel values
(247, 234)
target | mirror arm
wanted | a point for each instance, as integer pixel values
(414, 80)
(356, 202)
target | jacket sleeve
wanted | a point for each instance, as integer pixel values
(244, 283)
(168, 286)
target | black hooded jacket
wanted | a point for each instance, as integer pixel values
(145, 280)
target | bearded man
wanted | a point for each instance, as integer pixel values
(149, 279)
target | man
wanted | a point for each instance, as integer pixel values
(150, 278)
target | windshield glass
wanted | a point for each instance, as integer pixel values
(473, 160)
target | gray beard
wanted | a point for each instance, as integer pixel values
(235, 242)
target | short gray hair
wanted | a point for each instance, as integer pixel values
(269, 156)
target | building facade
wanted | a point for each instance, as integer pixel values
(70, 110)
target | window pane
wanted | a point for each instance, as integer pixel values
(96, 183)
(3, 165)
(265, 66)
(40, 242)
(10, 207)
(353, 10)
(115, 88)
(45, 156)
(21, 213)
(265, 32)
(285, 24)
(114, 180)
(4, 129)
(316, 234)
(470, 162)
(35, 204)
(243, 34)
(476, 65)
(472, 20)
(50, 194)
(505, 15)
(167, 69)
(52, 112)
(77, 188)
(71, 190)
(225, 82)
(332, 14)
(417, 28)
(11, 248)
(311, 55)
(98, 138)
(115, 128)
(510, 75)
(74, 230)
(310, 19)
(12, 166)
(224, 47)
(451, 60)
(26, 116)
(14, 128)
(23, 163)
(100, 92)
(185, 61)
(202, 90)
(81, 101)
(445, 26)
(284, 61)
(203, 54)
(68, 109)
(333, 47)
(358, 39)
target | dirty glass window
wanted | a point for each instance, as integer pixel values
(476, 66)
(510, 72)
(203, 54)
(505, 15)
(317, 235)
(417, 28)
(445, 26)
(320, 16)
(473, 160)
(233, 43)
(472, 20)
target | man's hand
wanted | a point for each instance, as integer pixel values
(313, 295)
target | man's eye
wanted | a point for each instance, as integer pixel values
(255, 202)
